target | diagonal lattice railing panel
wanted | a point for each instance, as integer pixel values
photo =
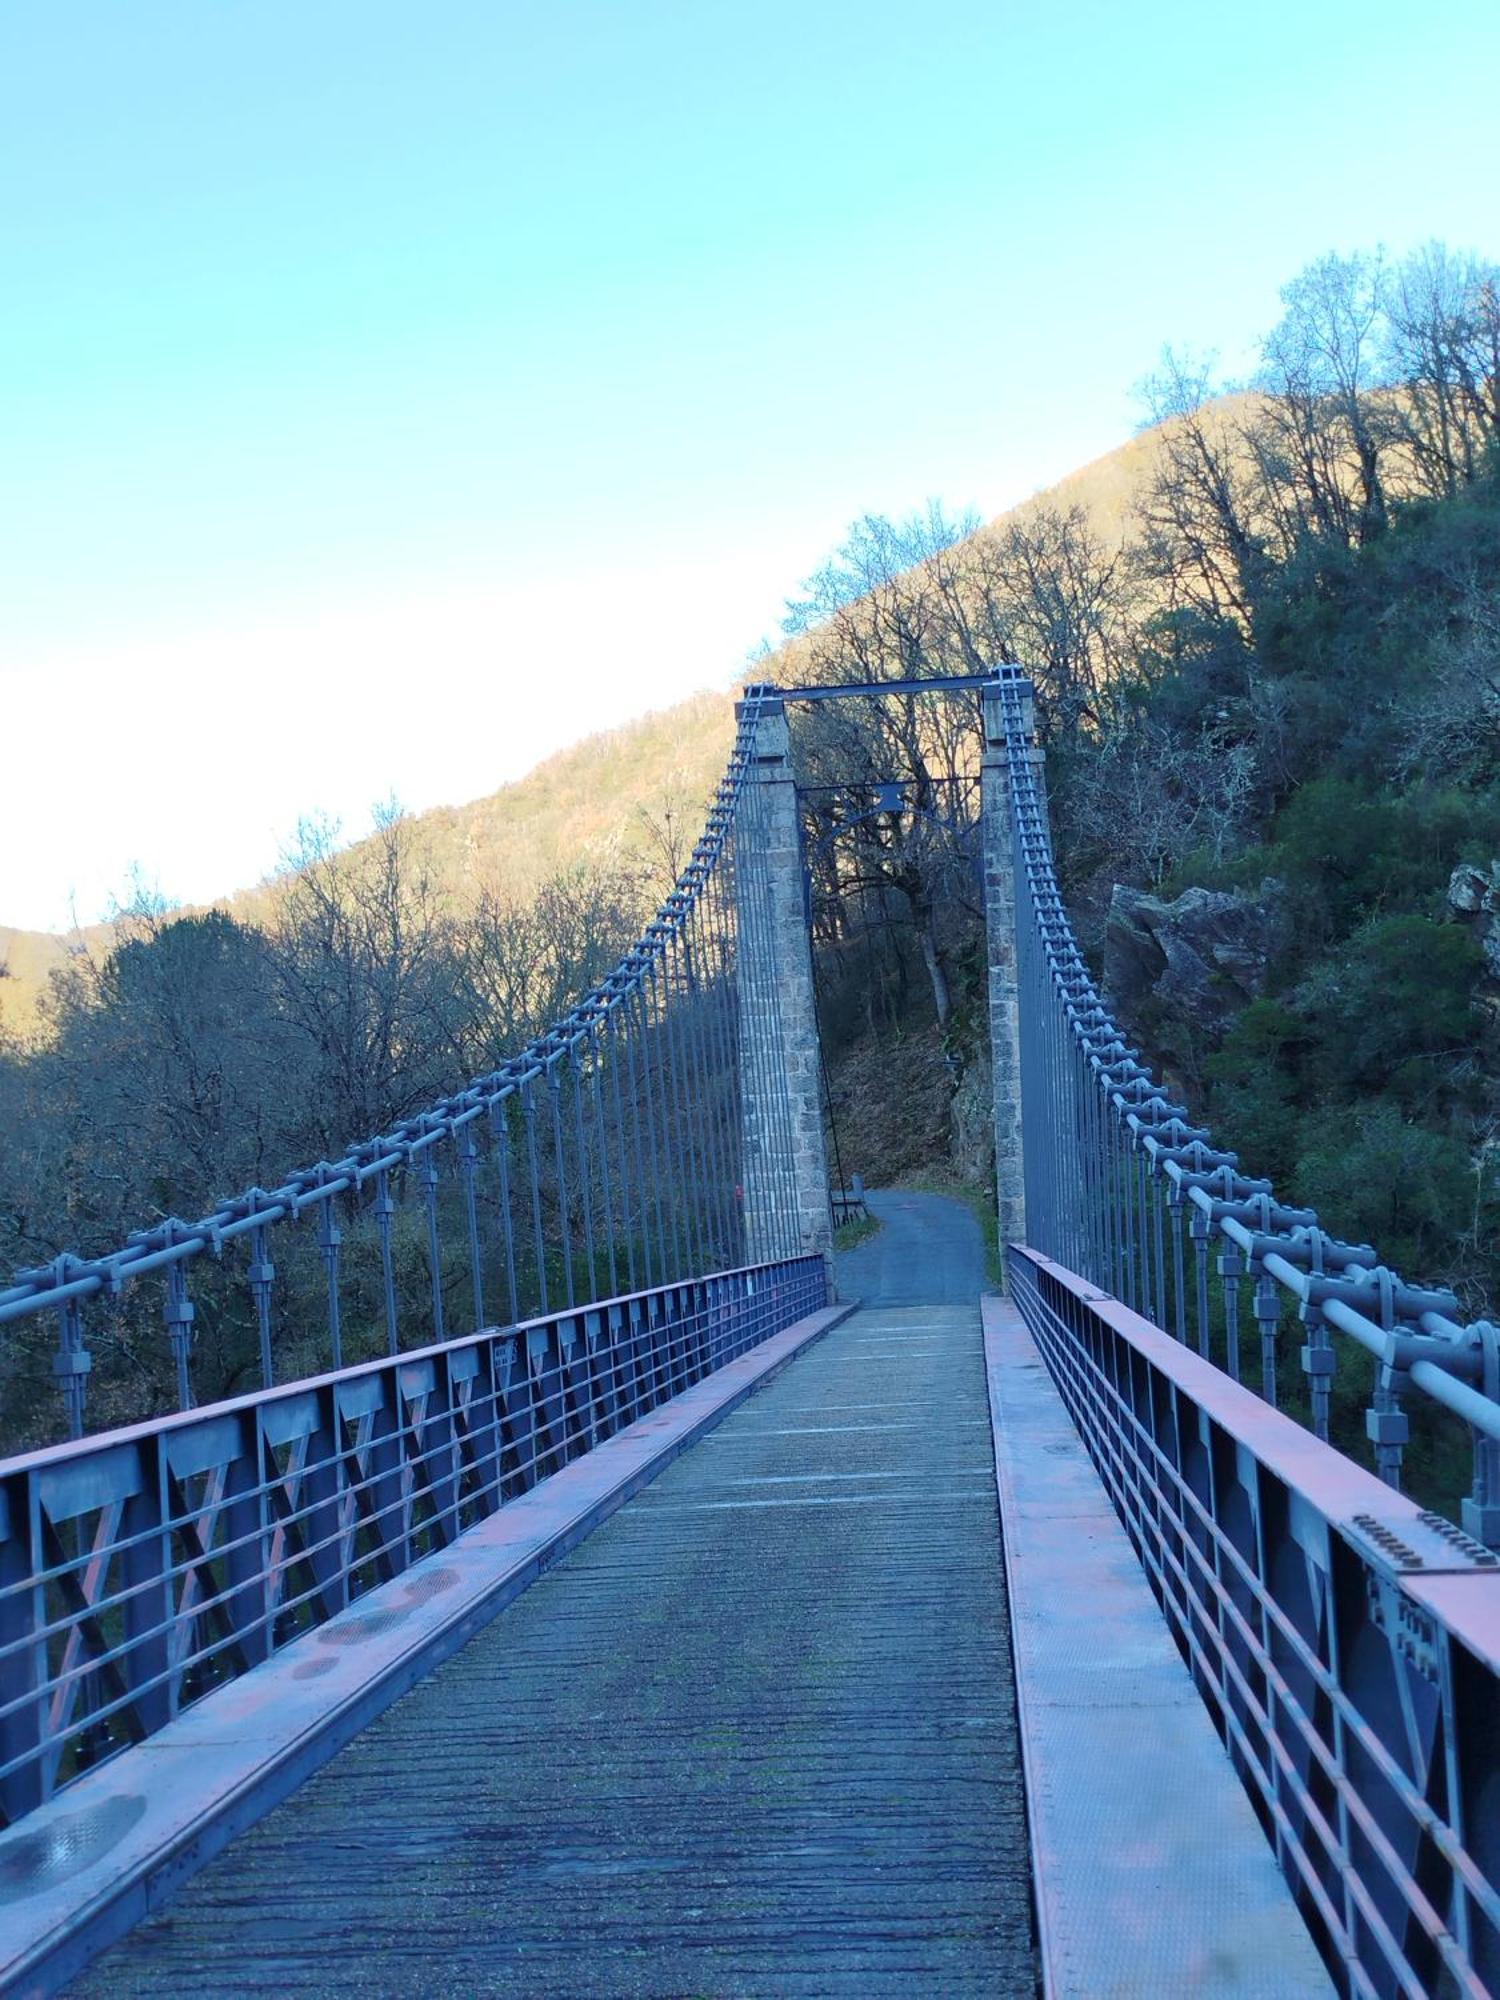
(141, 1569)
(1347, 1649)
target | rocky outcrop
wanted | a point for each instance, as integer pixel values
(971, 1122)
(1474, 892)
(1188, 967)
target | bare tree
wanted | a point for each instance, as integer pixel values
(1375, 384)
(1442, 346)
(670, 830)
(896, 603)
(1450, 726)
(169, 1080)
(1202, 539)
(521, 966)
(1151, 796)
(366, 966)
(1323, 436)
(1059, 600)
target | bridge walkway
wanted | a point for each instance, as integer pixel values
(755, 1736)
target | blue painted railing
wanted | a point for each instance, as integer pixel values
(1345, 1641)
(143, 1568)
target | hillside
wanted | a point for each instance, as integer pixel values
(588, 799)
(583, 803)
(27, 961)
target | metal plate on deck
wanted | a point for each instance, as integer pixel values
(1426, 1544)
(33, 1861)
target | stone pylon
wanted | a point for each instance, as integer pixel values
(998, 850)
(785, 1174)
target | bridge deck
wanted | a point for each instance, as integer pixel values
(756, 1735)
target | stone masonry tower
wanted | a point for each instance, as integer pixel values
(1004, 986)
(785, 1164)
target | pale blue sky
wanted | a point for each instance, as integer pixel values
(389, 393)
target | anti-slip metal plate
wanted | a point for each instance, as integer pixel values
(1424, 1544)
(354, 1631)
(40, 1859)
(423, 1585)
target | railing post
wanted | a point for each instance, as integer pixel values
(72, 1361)
(785, 1172)
(998, 852)
(1481, 1505)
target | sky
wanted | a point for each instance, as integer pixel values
(390, 395)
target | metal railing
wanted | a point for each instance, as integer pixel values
(606, 1156)
(848, 1203)
(1345, 1642)
(141, 1569)
(1122, 1187)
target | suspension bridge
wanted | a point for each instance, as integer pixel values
(675, 1605)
